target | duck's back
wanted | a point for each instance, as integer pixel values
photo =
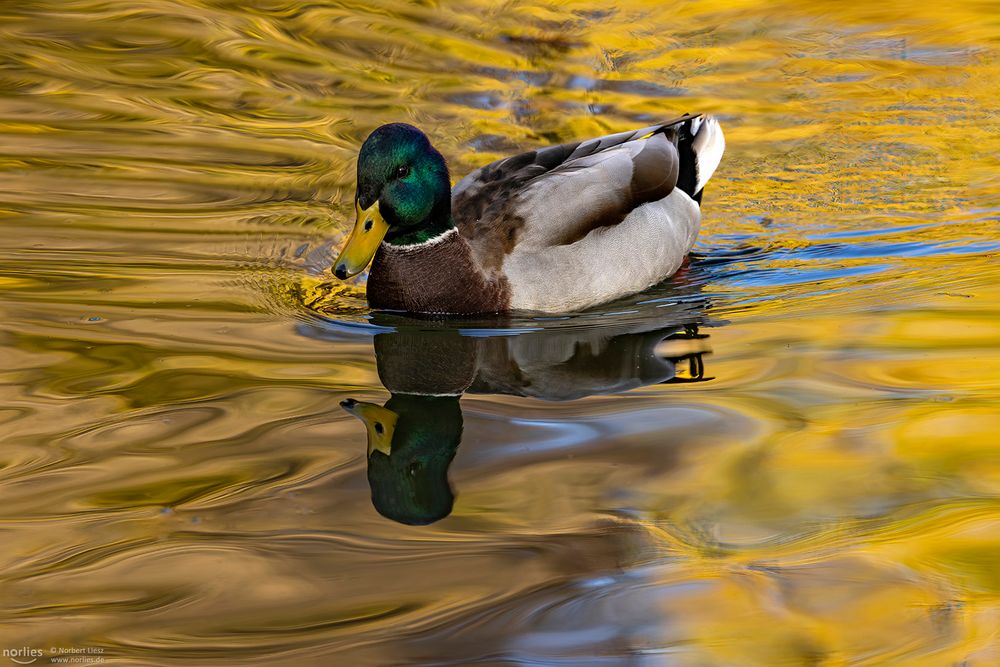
(575, 225)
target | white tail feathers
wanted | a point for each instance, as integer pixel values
(708, 145)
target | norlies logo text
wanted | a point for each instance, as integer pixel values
(23, 655)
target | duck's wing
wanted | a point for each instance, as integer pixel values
(559, 194)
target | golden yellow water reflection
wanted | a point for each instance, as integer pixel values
(179, 484)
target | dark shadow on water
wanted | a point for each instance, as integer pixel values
(427, 365)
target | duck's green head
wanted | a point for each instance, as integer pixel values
(411, 442)
(403, 195)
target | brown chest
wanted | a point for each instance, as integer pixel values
(436, 277)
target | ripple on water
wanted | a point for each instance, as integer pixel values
(814, 482)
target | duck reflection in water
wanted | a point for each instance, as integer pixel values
(427, 366)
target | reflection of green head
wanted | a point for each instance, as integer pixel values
(411, 442)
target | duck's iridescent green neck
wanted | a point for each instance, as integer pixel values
(428, 231)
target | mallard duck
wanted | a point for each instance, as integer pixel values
(559, 229)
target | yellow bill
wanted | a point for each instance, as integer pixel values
(369, 230)
(379, 422)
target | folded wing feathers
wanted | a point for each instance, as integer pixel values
(486, 192)
(525, 166)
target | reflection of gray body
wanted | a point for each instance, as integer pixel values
(567, 365)
(552, 365)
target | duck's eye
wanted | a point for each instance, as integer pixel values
(378, 428)
(402, 171)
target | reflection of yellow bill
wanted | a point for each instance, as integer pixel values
(379, 422)
(369, 230)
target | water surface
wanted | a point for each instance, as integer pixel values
(786, 455)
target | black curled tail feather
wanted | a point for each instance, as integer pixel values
(687, 179)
